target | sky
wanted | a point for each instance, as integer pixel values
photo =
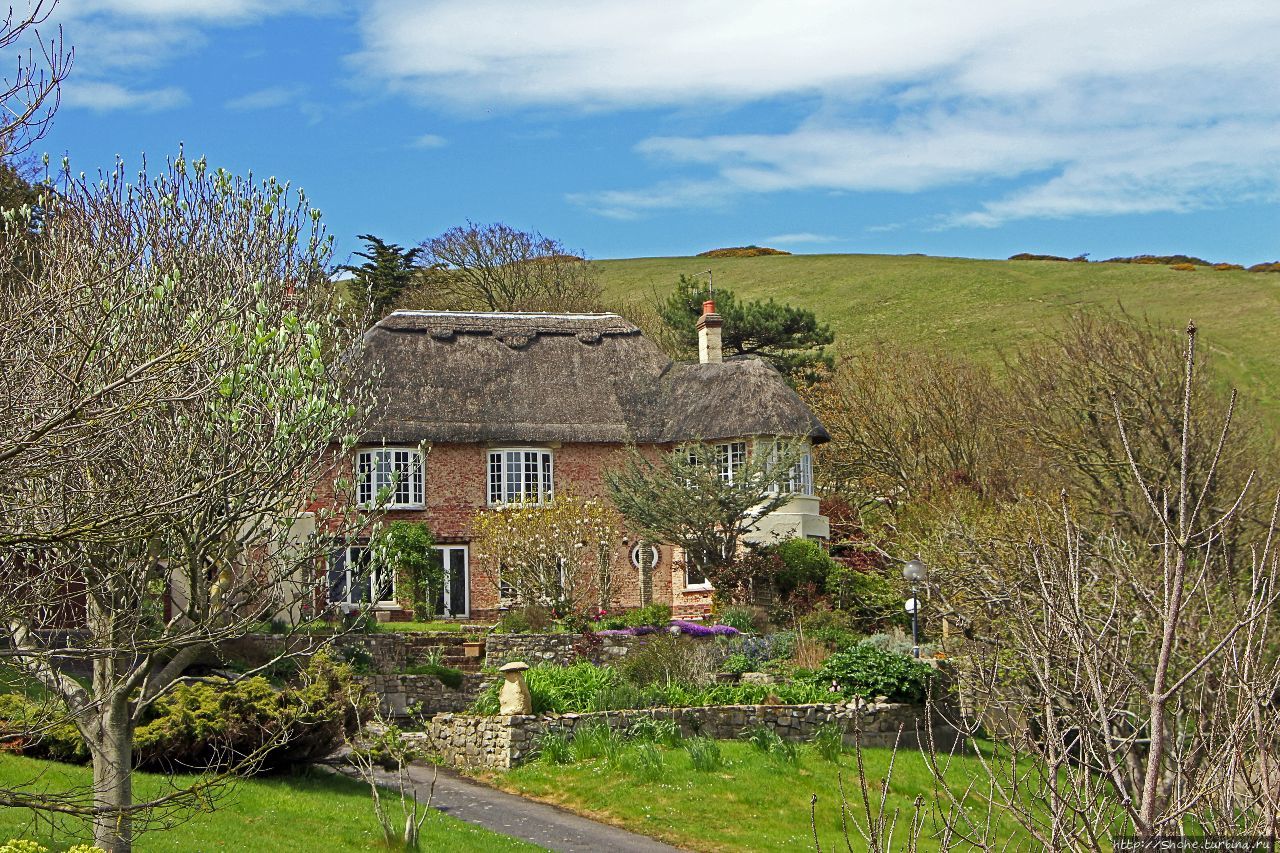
(630, 129)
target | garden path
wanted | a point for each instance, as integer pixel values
(539, 823)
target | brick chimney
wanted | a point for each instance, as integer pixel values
(709, 334)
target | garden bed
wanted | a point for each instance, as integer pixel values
(507, 741)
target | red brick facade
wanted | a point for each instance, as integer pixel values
(455, 491)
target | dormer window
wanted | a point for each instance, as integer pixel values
(520, 475)
(389, 477)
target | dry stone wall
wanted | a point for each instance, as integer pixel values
(406, 696)
(563, 649)
(506, 741)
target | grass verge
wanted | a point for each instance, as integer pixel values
(315, 811)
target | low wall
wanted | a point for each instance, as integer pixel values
(563, 649)
(506, 741)
(388, 653)
(424, 695)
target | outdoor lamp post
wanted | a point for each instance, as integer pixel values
(915, 572)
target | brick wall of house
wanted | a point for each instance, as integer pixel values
(455, 490)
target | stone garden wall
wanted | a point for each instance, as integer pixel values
(563, 649)
(424, 695)
(506, 741)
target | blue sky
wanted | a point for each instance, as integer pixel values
(632, 129)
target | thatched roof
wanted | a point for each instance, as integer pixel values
(448, 376)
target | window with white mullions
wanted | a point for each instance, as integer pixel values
(356, 578)
(521, 475)
(390, 477)
(800, 480)
(728, 457)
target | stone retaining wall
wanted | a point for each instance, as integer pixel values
(506, 741)
(388, 653)
(563, 649)
(426, 695)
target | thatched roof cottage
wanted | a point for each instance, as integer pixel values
(477, 409)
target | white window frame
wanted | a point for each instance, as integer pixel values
(682, 556)
(446, 586)
(397, 469)
(730, 457)
(351, 560)
(509, 479)
(800, 477)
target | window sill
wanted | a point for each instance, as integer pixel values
(699, 587)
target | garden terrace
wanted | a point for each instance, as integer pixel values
(507, 741)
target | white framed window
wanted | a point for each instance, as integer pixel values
(520, 475)
(389, 477)
(800, 480)
(355, 578)
(730, 456)
(694, 578)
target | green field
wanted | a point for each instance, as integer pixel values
(263, 815)
(983, 308)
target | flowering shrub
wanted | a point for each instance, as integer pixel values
(557, 554)
(677, 626)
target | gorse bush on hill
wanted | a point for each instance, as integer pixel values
(742, 252)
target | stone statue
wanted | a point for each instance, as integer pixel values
(513, 696)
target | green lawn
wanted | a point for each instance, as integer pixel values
(752, 803)
(983, 307)
(437, 627)
(264, 815)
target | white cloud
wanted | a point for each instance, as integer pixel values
(107, 97)
(801, 237)
(272, 97)
(429, 140)
(121, 44)
(1089, 107)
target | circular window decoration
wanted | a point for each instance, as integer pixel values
(648, 551)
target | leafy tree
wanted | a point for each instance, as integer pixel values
(387, 272)
(173, 383)
(789, 337)
(496, 267)
(408, 549)
(684, 498)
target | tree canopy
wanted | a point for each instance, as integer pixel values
(789, 337)
(387, 272)
(495, 267)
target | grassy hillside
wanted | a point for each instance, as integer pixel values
(984, 307)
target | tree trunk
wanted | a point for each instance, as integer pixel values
(112, 752)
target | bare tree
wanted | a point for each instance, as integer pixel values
(1134, 681)
(495, 267)
(174, 375)
(30, 97)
